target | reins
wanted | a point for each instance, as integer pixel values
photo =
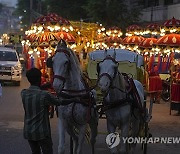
(85, 94)
(60, 78)
(104, 107)
(126, 79)
(87, 90)
(80, 91)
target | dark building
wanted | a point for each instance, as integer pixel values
(160, 10)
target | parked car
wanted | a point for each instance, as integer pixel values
(21, 58)
(10, 66)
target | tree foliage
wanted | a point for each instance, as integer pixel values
(112, 12)
(23, 9)
(107, 12)
(71, 9)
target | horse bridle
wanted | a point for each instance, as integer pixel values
(106, 74)
(60, 77)
(109, 77)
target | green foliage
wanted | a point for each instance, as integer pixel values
(107, 12)
(70, 9)
(112, 12)
(23, 9)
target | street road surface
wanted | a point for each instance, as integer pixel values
(11, 126)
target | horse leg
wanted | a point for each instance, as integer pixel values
(82, 131)
(124, 134)
(111, 129)
(71, 132)
(61, 147)
(135, 128)
(93, 123)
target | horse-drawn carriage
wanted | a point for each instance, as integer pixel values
(128, 63)
(119, 91)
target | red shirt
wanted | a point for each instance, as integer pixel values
(154, 72)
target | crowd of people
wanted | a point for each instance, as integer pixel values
(155, 86)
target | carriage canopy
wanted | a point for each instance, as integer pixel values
(129, 62)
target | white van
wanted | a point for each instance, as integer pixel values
(10, 66)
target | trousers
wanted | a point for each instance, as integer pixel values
(44, 146)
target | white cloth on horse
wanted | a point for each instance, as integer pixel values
(121, 55)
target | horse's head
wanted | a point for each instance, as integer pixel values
(61, 62)
(107, 70)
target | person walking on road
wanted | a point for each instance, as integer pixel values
(36, 120)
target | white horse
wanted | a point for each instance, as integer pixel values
(68, 82)
(113, 86)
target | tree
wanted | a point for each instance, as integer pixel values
(23, 9)
(112, 12)
(107, 12)
(70, 9)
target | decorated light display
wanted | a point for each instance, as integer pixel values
(166, 46)
(85, 35)
(50, 23)
(100, 38)
(134, 30)
(48, 30)
(43, 37)
(113, 37)
(152, 29)
(48, 39)
(170, 26)
(169, 43)
(68, 37)
(4, 39)
(132, 42)
(146, 46)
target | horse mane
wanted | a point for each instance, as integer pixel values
(76, 72)
(76, 61)
(120, 83)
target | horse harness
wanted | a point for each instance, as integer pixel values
(62, 78)
(87, 89)
(86, 99)
(106, 74)
(129, 91)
